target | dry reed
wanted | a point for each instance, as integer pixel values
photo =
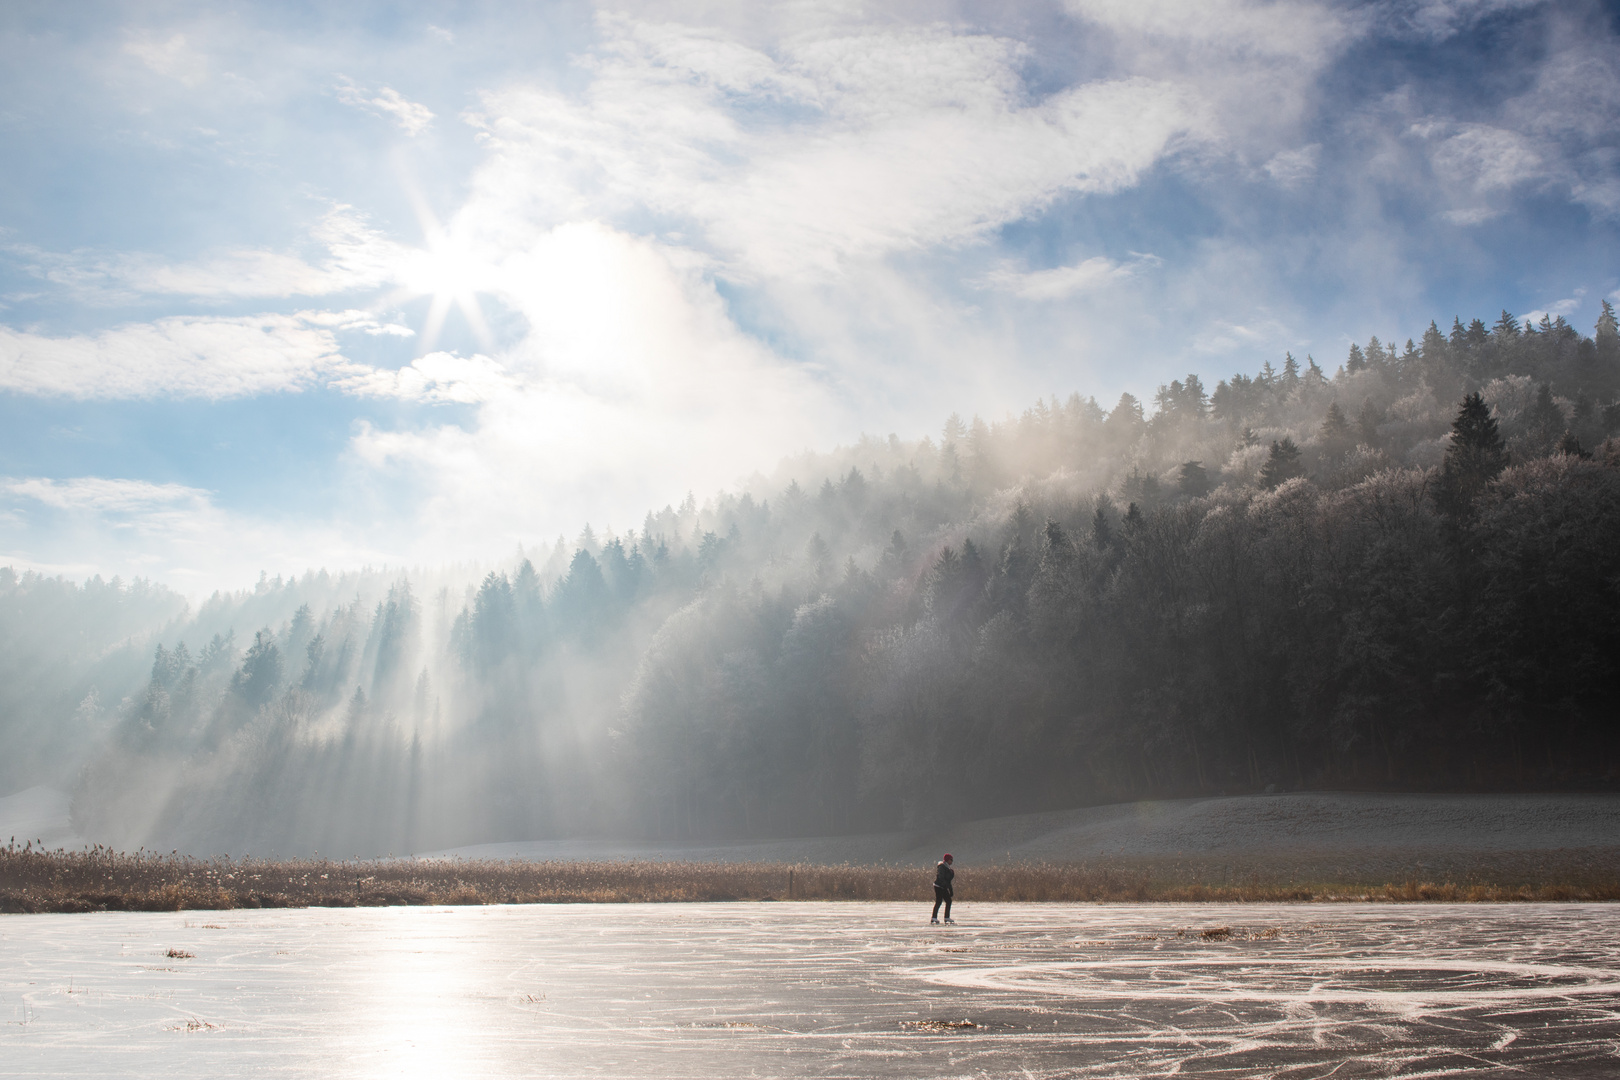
(99, 879)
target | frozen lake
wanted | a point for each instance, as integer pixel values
(844, 989)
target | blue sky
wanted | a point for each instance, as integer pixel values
(286, 286)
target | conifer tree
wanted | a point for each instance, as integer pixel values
(1194, 479)
(1606, 335)
(1337, 435)
(1570, 446)
(1282, 465)
(1544, 420)
(1334, 425)
(1367, 421)
(1102, 531)
(1375, 353)
(1433, 348)
(1475, 456)
(1314, 376)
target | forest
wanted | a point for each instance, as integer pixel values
(1403, 574)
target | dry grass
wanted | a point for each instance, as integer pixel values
(99, 879)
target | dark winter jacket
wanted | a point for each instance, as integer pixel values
(943, 876)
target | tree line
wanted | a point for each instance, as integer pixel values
(1402, 574)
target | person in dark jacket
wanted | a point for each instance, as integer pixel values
(944, 875)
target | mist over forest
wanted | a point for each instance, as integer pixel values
(1396, 570)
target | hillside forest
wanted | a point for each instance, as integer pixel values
(1403, 573)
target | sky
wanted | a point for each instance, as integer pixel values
(293, 285)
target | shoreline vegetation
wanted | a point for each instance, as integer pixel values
(33, 880)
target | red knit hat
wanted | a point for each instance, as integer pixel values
(947, 857)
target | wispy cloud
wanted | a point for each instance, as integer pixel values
(353, 256)
(847, 147)
(632, 386)
(437, 378)
(174, 532)
(1060, 282)
(106, 496)
(1290, 167)
(171, 56)
(411, 117)
(201, 357)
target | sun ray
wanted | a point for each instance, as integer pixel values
(435, 322)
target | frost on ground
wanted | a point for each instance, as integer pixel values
(799, 989)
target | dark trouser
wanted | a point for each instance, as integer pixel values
(942, 896)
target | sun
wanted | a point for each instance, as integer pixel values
(449, 269)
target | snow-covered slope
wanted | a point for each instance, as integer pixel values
(38, 814)
(1298, 823)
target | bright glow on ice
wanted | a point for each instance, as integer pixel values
(815, 989)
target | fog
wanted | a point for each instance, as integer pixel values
(1300, 578)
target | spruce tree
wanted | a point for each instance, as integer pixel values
(1570, 446)
(1434, 342)
(1606, 334)
(1282, 465)
(1335, 428)
(1544, 420)
(1194, 479)
(1475, 456)
(1102, 531)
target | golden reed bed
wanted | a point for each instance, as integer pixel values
(99, 879)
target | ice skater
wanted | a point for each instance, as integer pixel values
(943, 890)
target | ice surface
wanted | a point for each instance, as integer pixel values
(800, 989)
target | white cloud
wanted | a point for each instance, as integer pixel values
(1224, 336)
(1060, 282)
(172, 532)
(1565, 307)
(632, 386)
(1470, 215)
(437, 377)
(1291, 167)
(411, 117)
(876, 143)
(1279, 29)
(177, 357)
(1441, 19)
(1486, 159)
(106, 496)
(1251, 64)
(354, 257)
(172, 57)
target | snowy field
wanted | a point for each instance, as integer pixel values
(743, 990)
